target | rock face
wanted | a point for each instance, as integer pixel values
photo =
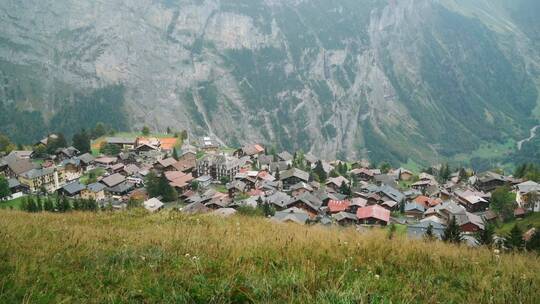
(348, 78)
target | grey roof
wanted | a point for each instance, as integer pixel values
(195, 208)
(309, 199)
(528, 186)
(280, 166)
(295, 215)
(295, 172)
(265, 159)
(414, 206)
(113, 180)
(13, 182)
(392, 193)
(280, 199)
(285, 156)
(121, 140)
(236, 184)
(87, 158)
(310, 158)
(73, 188)
(121, 188)
(344, 216)
(95, 187)
(20, 166)
(69, 151)
(36, 173)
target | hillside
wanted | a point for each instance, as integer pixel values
(139, 258)
(392, 80)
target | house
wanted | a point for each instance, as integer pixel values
(310, 160)
(528, 195)
(180, 180)
(373, 215)
(404, 174)
(218, 166)
(153, 205)
(363, 174)
(208, 145)
(418, 230)
(122, 142)
(291, 215)
(345, 218)
(357, 203)
(253, 151)
(308, 202)
(414, 210)
(389, 193)
(16, 187)
(45, 141)
(278, 200)
(235, 187)
(48, 179)
(15, 167)
(520, 212)
(72, 189)
(471, 200)
(336, 182)
(87, 161)
(338, 206)
(105, 162)
(113, 180)
(166, 164)
(95, 191)
(488, 181)
(300, 188)
(390, 205)
(120, 189)
(66, 153)
(185, 165)
(292, 177)
(204, 181)
(286, 157)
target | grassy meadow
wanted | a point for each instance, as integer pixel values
(135, 257)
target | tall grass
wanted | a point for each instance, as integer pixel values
(134, 257)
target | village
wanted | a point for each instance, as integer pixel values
(200, 176)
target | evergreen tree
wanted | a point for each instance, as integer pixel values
(452, 233)
(534, 242)
(195, 185)
(39, 204)
(429, 235)
(169, 130)
(345, 189)
(515, 239)
(77, 205)
(319, 172)
(5, 192)
(485, 237)
(276, 174)
(167, 192)
(152, 184)
(48, 205)
(6, 145)
(81, 141)
(175, 154)
(99, 131)
(145, 131)
(32, 207)
(92, 205)
(385, 167)
(502, 201)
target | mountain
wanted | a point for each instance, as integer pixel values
(390, 80)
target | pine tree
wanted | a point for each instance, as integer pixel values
(515, 239)
(276, 174)
(175, 154)
(485, 237)
(39, 204)
(145, 131)
(452, 233)
(81, 141)
(152, 184)
(167, 192)
(345, 189)
(5, 192)
(48, 205)
(77, 205)
(429, 235)
(319, 172)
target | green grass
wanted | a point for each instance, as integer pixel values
(12, 204)
(530, 221)
(221, 189)
(85, 179)
(137, 257)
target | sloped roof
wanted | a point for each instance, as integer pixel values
(113, 180)
(374, 211)
(338, 206)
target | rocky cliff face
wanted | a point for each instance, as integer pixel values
(346, 78)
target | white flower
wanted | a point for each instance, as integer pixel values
(187, 255)
(377, 276)
(496, 251)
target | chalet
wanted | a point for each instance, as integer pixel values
(338, 206)
(310, 160)
(264, 161)
(122, 142)
(130, 170)
(308, 202)
(95, 191)
(185, 165)
(252, 151)
(208, 145)
(182, 183)
(418, 230)
(291, 215)
(66, 153)
(218, 201)
(422, 185)
(235, 187)
(278, 166)
(345, 218)
(385, 180)
(427, 202)
(45, 141)
(153, 205)
(166, 164)
(49, 179)
(286, 157)
(105, 162)
(488, 181)
(528, 195)
(113, 180)
(87, 161)
(204, 181)
(388, 193)
(120, 189)
(144, 148)
(373, 215)
(16, 187)
(363, 174)
(73, 189)
(195, 208)
(293, 176)
(336, 182)
(472, 201)
(357, 203)
(218, 166)
(17, 167)
(390, 205)
(73, 168)
(300, 188)
(414, 210)
(279, 200)
(404, 174)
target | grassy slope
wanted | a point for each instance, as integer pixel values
(138, 258)
(14, 203)
(532, 220)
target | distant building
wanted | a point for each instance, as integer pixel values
(218, 166)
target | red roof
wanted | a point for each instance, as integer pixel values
(373, 211)
(338, 206)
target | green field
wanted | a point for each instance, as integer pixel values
(532, 220)
(136, 257)
(12, 204)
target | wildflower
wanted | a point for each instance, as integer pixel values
(187, 255)
(377, 276)
(496, 251)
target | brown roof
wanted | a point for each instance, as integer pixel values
(167, 162)
(113, 180)
(184, 165)
(20, 166)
